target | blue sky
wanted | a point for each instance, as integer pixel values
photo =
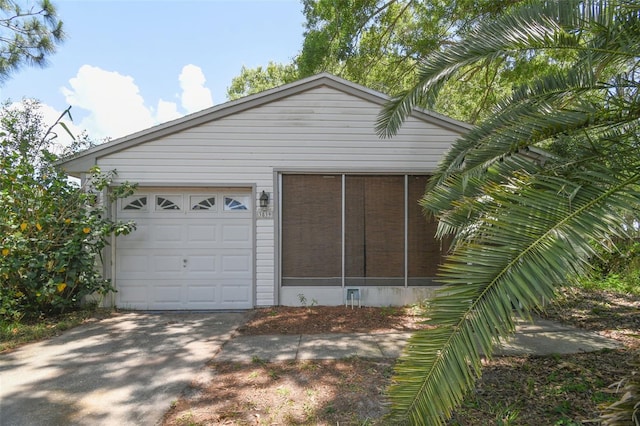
(127, 65)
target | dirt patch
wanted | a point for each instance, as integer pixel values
(332, 319)
(528, 390)
(549, 390)
(295, 393)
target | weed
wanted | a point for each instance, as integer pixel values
(257, 360)
(187, 420)
(470, 403)
(283, 391)
(531, 386)
(602, 397)
(309, 366)
(563, 408)
(388, 311)
(505, 415)
(574, 387)
(273, 374)
(290, 419)
(16, 333)
(303, 301)
(330, 409)
(309, 411)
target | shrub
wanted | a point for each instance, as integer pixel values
(617, 269)
(52, 231)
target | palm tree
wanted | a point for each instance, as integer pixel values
(529, 192)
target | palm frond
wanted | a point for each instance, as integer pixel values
(544, 26)
(523, 30)
(522, 222)
(538, 229)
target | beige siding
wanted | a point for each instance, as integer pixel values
(320, 129)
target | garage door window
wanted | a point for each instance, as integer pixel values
(136, 202)
(168, 202)
(199, 202)
(235, 202)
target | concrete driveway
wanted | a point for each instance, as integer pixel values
(124, 370)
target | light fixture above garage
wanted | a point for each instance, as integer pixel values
(264, 200)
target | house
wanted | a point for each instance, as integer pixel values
(278, 198)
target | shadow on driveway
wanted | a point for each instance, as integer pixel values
(125, 370)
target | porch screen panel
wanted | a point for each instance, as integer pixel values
(374, 234)
(425, 252)
(311, 230)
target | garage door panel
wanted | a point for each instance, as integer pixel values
(202, 233)
(167, 293)
(202, 264)
(166, 233)
(240, 234)
(167, 264)
(185, 258)
(201, 294)
(132, 263)
(231, 293)
(135, 295)
(236, 264)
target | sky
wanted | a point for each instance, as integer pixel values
(129, 65)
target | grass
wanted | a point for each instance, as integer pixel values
(627, 283)
(16, 333)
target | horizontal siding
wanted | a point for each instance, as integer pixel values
(265, 260)
(321, 129)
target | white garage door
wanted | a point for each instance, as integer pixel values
(192, 249)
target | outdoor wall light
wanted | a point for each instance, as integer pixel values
(264, 199)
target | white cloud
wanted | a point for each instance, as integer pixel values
(117, 108)
(195, 96)
(167, 111)
(115, 104)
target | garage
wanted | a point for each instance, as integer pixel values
(192, 249)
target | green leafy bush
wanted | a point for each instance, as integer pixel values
(52, 231)
(617, 269)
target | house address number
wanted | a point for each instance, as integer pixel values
(265, 213)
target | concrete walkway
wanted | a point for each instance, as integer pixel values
(541, 338)
(545, 337)
(121, 371)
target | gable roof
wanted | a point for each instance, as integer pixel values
(84, 160)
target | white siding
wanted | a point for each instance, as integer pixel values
(322, 129)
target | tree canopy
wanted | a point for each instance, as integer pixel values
(379, 44)
(29, 33)
(254, 80)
